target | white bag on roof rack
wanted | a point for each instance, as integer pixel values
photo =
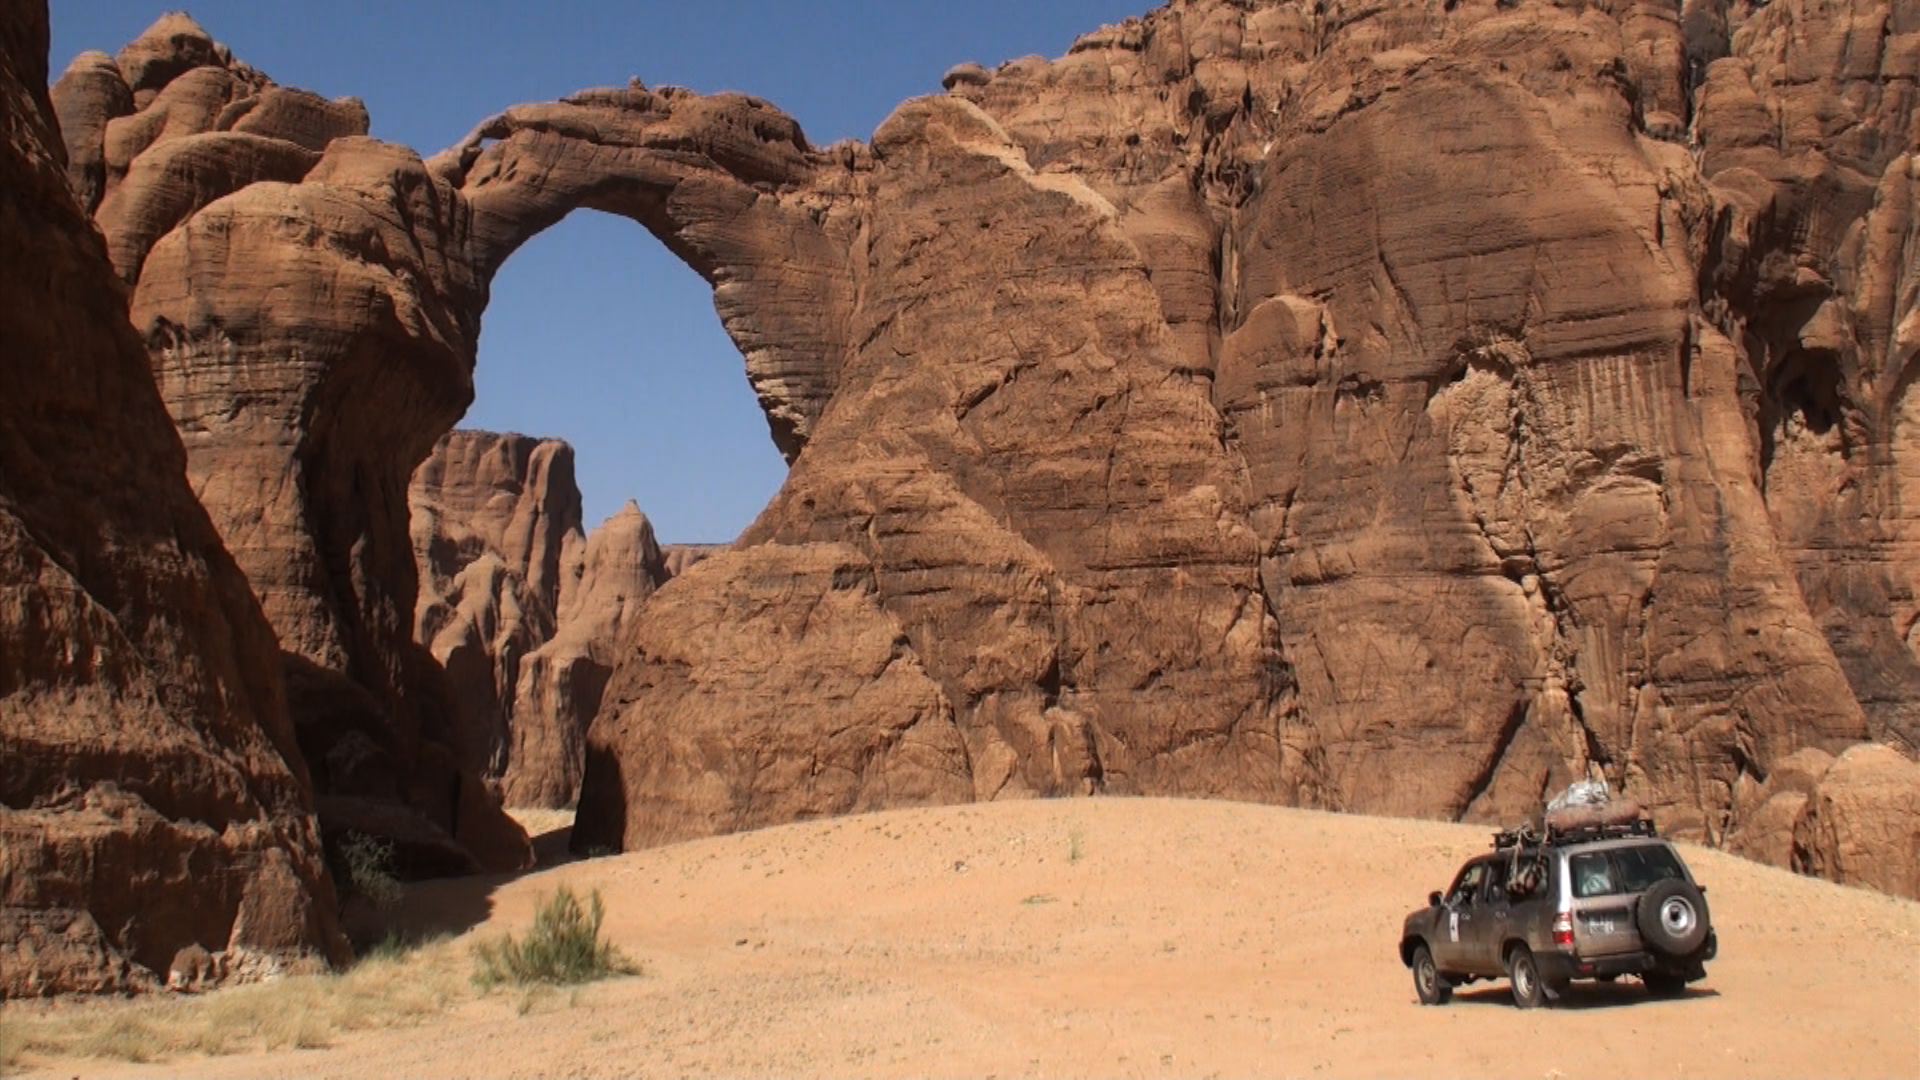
(1581, 793)
(1587, 804)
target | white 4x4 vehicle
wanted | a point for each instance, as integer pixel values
(1542, 911)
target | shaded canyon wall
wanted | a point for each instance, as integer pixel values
(153, 798)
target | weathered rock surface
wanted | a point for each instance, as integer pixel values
(1854, 820)
(679, 558)
(563, 682)
(153, 801)
(281, 319)
(802, 625)
(1396, 408)
(523, 611)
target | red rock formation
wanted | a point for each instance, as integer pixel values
(523, 611)
(290, 457)
(679, 558)
(152, 798)
(802, 624)
(563, 682)
(1491, 423)
(496, 519)
(1394, 408)
(1854, 820)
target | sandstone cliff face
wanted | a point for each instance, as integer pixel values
(523, 611)
(1393, 408)
(1438, 271)
(1490, 422)
(271, 252)
(152, 797)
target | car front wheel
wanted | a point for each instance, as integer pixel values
(1433, 989)
(1524, 972)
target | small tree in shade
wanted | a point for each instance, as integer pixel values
(563, 948)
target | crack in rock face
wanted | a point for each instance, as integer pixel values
(1396, 409)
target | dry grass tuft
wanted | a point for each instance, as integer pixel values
(392, 987)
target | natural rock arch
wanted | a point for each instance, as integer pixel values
(1127, 454)
(307, 477)
(727, 183)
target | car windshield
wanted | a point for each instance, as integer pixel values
(1622, 870)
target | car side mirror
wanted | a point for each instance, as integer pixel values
(1433, 899)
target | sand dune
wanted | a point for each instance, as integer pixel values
(1116, 937)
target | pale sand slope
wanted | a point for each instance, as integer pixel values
(1124, 937)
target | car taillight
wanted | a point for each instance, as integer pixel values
(1563, 929)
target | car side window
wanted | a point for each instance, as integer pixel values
(1592, 875)
(1526, 878)
(1641, 867)
(1496, 885)
(1467, 884)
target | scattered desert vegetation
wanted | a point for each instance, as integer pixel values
(564, 948)
(395, 984)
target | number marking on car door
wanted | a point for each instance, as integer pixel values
(1453, 926)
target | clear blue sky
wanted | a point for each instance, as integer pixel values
(595, 334)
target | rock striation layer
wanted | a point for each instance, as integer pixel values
(153, 801)
(1394, 408)
(521, 608)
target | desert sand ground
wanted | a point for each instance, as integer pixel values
(1112, 938)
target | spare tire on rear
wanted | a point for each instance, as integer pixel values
(1673, 918)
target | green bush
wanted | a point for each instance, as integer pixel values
(563, 948)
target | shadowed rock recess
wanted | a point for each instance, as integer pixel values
(152, 797)
(1390, 408)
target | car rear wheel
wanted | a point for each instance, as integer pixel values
(1524, 973)
(1433, 989)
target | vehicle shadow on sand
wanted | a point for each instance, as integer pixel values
(1586, 995)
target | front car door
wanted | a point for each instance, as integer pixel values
(1450, 947)
(1488, 921)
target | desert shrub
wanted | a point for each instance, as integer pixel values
(368, 865)
(564, 947)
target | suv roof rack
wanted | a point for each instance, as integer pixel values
(1528, 836)
(1637, 827)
